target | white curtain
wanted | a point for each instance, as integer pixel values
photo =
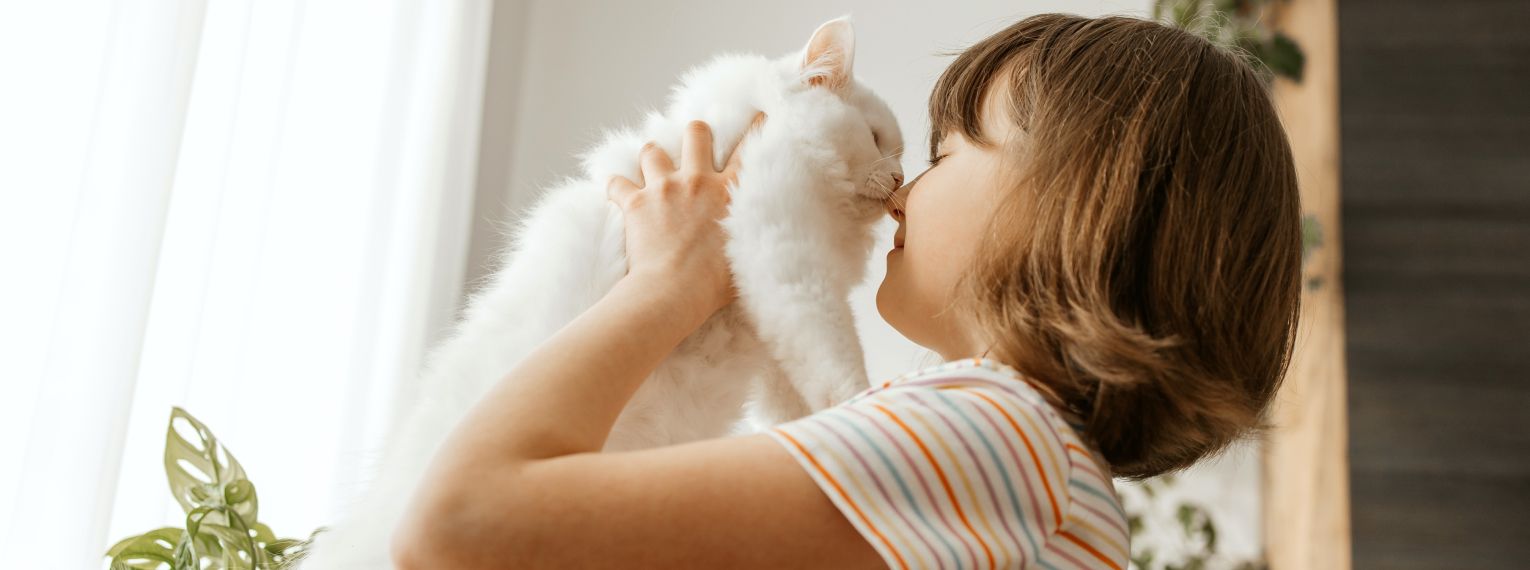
(254, 209)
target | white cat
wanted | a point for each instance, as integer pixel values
(812, 183)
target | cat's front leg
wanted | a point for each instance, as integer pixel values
(776, 399)
(829, 365)
(809, 331)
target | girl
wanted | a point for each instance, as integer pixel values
(1105, 250)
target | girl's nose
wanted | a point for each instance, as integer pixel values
(895, 203)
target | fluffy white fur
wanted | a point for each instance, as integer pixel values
(799, 227)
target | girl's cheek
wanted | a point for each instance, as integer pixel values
(934, 227)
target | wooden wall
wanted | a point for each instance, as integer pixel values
(1435, 129)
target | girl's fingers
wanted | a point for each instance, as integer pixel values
(696, 150)
(655, 163)
(619, 187)
(736, 159)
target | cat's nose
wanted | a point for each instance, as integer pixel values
(897, 180)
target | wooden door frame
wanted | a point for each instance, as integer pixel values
(1306, 457)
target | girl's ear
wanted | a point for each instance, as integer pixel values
(828, 55)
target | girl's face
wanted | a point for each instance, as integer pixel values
(941, 216)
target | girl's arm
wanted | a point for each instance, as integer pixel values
(521, 482)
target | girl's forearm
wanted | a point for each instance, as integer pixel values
(561, 399)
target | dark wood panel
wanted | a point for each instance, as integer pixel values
(1460, 534)
(1435, 131)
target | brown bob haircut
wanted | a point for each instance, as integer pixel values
(1144, 264)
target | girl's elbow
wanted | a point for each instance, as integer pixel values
(428, 551)
(429, 536)
(405, 553)
(411, 547)
(423, 538)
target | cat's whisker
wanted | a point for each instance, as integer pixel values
(877, 180)
(898, 154)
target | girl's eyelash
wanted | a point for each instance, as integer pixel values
(936, 159)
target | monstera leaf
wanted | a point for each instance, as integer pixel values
(203, 474)
(221, 506)
(149, 550)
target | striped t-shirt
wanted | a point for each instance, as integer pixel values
(963, 465)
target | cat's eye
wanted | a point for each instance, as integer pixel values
(876, 139)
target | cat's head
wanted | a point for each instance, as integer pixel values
(857, 124)
(810, 94)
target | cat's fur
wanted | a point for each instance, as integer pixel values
(811, 184)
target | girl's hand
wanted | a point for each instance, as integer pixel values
(673, 238)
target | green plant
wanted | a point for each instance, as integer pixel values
(1242, 25)
(1312, 239)
(222, 532)
(1185, 540)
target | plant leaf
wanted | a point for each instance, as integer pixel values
(1210, 531)
(289, 552)
(263, 533)
(146, 551)
(1283, 57)
(1312, 235)
(237, 547)
(200, 472)
(240, 497)
(197, 517)
(221, 505)
(207, 547)
(1184, 514)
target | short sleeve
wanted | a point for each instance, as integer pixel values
(962, 473)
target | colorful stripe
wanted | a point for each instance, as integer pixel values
(943, 481)
(846, 499)
(963, 465)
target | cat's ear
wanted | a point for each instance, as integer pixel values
(827, 58)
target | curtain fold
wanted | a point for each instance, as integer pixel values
(257, 210)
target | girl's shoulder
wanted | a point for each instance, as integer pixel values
(988, 376)
(992, 379)
(974, 437)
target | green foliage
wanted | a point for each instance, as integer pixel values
(1240, 25)
(1312, 235)
(1312, 238)
(1191, 544)
(221, 532)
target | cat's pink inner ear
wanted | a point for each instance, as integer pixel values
(827, 59)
